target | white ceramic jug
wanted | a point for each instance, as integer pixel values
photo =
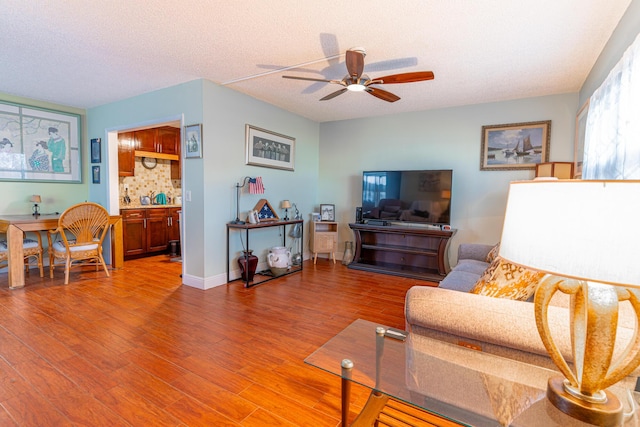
(279, 257)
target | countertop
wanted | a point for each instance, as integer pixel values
(139, 206)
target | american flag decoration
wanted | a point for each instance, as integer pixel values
(255, 185)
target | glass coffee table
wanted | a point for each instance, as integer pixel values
(420, 381)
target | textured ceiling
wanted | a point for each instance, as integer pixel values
(85, 53)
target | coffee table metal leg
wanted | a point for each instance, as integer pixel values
(347, 366)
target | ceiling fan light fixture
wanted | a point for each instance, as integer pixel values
(355, 87)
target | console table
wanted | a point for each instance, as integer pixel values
(425, 381)
(247, 227)
(415, 252)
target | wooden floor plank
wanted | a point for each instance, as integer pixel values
(139, 348)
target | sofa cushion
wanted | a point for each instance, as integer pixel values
(503, 279)
(458, 280)
(472, 266)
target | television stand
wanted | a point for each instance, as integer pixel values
(417, 253)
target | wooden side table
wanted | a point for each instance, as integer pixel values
(324, 239)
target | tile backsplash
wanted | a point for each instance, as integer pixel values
(146, 180)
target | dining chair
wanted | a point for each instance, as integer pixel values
(32, 251)
(78, 238)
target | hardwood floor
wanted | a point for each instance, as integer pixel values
(140, 349)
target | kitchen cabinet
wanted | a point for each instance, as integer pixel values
(134, 232)
(168, 139)
(174, 223)
(146, 140)
(126, 156)
(163, 143)
(147, 231)
(165, 140)
(157, 230)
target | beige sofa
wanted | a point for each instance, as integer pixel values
(495, 325)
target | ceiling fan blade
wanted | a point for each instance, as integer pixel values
(334, 94)
(311, 79)
(355, 63)
(382, 94)
(417, 76)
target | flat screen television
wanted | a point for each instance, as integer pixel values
(413, 196)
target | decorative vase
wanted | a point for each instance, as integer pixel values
(248, 264)
(347, 257)
(279, 260)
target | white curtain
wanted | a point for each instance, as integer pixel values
(612, 136)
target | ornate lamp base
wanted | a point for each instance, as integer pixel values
(605, 414)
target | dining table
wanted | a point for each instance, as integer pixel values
(15, 225)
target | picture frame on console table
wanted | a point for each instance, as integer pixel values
(515, 146)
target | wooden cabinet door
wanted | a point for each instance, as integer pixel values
(174, 224)
(134, 232)
(126, 148)
(168, 140)
(146, 140)
(157, 230)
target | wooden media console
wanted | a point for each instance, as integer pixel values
(415, 252)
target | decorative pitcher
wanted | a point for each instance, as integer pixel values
(279, 260)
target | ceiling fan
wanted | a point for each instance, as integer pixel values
(356, 81)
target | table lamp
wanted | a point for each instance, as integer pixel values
(36, 199)
(286, 205)
(584, 235)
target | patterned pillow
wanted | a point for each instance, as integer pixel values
(503, 279)
(493, 253)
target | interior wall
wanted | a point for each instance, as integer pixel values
(208, 183)
(438, 139)
(181, 102)
(226, 112)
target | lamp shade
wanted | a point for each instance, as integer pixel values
(286, 204)
(36, 198)
(587, 230)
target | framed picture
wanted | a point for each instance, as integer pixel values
(193, 141)
(38, 144)
(578, 150)
(515, 146)
(95, 150)
(95, 174)
(327, 212)
(269, 149)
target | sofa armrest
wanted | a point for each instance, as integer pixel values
(477, 251)
(497, 321)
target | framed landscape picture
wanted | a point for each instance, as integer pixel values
(515, 146)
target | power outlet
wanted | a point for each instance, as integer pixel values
(187, 196)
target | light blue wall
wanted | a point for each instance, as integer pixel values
(625, 33)
(226, 112)
(223, 114)
(14, 196)
(181, 101)
(438, 139)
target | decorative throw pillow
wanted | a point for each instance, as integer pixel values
(493, 253)
(503, 279)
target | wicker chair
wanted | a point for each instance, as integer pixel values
(32, 251)
(80, 233)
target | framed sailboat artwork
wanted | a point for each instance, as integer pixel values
(515, 146)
